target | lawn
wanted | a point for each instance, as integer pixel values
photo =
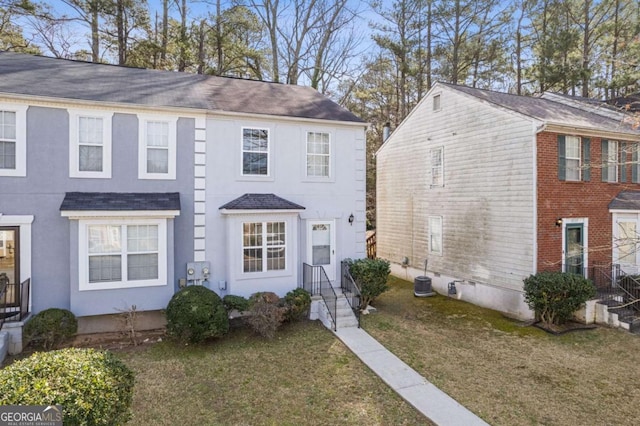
(304, 376)
(505, 372)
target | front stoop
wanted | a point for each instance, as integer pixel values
(607, 313)
(344, 314)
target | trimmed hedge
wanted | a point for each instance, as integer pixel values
(238, 303)
(50, 328)
(196, 313)
(93, 387)
(297, 302)
(555, 296)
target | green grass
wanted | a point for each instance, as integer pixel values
(506, 372)
(302, 376)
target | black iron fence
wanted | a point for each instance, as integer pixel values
(350, 290)
(316, 282)
(14, 301)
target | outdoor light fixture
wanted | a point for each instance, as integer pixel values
(559, 221)
(351, 219)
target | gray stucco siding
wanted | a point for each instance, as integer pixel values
(54, 253)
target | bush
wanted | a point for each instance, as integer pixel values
(555, 296)
(371, 277)
(266, 314)
(50, 328)
(93, 387)
(196, 313)
(238, 303)
(297, 303)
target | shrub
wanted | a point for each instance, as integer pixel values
(555, 296)
(50, 328)
(266, 314)
(371, 277)
(196, 313)
(93, 387)
(238, 303)
(297, 303)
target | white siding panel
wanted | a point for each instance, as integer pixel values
(487, 199)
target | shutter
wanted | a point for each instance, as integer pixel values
(562, 164)
(634, 164)
(605, 154)
(623, 162)
(586, 159)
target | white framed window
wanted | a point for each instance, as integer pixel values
(437, 166)
(13, 140)
(436, 102)
(264, 246)
(573, 158)
(89, 144)
(255, 151)
(157, 147)
(122, 253)
(318, 154)
(609, 161)
(435, 235)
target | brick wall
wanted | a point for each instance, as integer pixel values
(562, 199)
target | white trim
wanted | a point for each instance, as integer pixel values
(156, 214)
(585, 237)
(431, 251)
(441, 175)
(259, 212)
(331, 172)
(172, 121)
(597, 133)
(331, 273)
(74, 155)
(83, 254)
(24, 223)
(534, 201)
(438, 96)
(269, 152)
(21, 139)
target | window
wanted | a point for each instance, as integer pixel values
(123, 254)
(13, 141)
(255, 152)
(573, 158)
(263, 246)
(626, 243)
(90, 145)
(318, 154)
(609, 161)
(437, 167)
(435, 235)
(157, 148)
(436, 102)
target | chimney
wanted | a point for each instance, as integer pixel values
(386, 131)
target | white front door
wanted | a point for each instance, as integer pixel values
(322, 246)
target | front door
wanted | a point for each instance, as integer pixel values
(10, 263)
(321, 246)
(574, 250)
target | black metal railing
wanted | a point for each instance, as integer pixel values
(14, 302)
(605, 279)
(371, 246)
(350, 290)
(316, 282)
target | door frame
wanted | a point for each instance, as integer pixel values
(15, 291)
(331, 271)
(574, 223)
(23, 222)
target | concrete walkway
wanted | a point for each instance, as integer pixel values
(436, 405)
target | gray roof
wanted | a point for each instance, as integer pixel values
(261, 202)
(117, 201)
(75, 80)
(626, 200)
(549, 111)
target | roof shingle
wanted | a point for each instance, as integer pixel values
(120, 201)
(261, 202)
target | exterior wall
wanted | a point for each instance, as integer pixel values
(566, 199)
(486, 203)
(41, 192)
(334, 199)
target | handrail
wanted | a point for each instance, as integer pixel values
(4, 282)
(316, 282)
(371, 245)
(351, 290)
(14, 303)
